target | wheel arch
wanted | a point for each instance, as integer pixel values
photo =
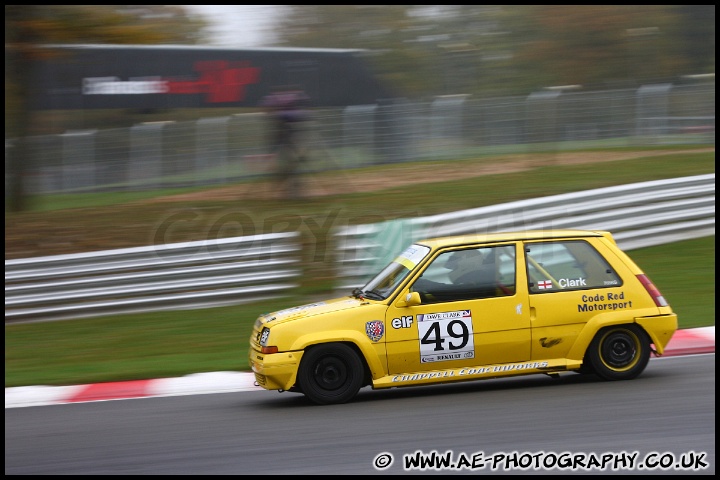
(591, 329)
(369, 352)
(367, 374)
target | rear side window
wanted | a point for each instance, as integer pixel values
(567, 265)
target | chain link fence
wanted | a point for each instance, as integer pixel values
(213, 151)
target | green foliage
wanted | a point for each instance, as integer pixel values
(491, 50)
(113, 24)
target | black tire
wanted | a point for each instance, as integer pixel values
(331, 374)
(620, 352)
(586, 368)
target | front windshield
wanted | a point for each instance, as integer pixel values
(385, 282)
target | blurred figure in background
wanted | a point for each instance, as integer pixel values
(287, 108)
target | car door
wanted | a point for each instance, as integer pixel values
(469, 316)
(569, 282)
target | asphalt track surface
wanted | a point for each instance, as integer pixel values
(668, 412)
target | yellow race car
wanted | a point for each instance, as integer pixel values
(468, 308)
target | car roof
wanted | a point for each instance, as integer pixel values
(439, 242)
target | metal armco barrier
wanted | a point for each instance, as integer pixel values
(238, 270)
(227, 271)
(639, 215)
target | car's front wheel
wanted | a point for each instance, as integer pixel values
(620, 352)
(331, 374)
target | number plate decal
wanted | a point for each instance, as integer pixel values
(445, 336)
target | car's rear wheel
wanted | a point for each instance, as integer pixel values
(331, 374)
(620, 352)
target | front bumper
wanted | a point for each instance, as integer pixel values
(276, 371)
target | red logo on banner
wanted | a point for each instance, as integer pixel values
(220, 80)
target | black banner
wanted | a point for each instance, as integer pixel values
(166, 77)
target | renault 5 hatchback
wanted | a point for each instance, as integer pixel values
(468, 308)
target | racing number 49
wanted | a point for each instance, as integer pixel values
(454, 328)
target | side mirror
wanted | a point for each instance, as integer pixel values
(411, 299)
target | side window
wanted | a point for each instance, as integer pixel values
(468, 274)
(569, 265)
(506, 261)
